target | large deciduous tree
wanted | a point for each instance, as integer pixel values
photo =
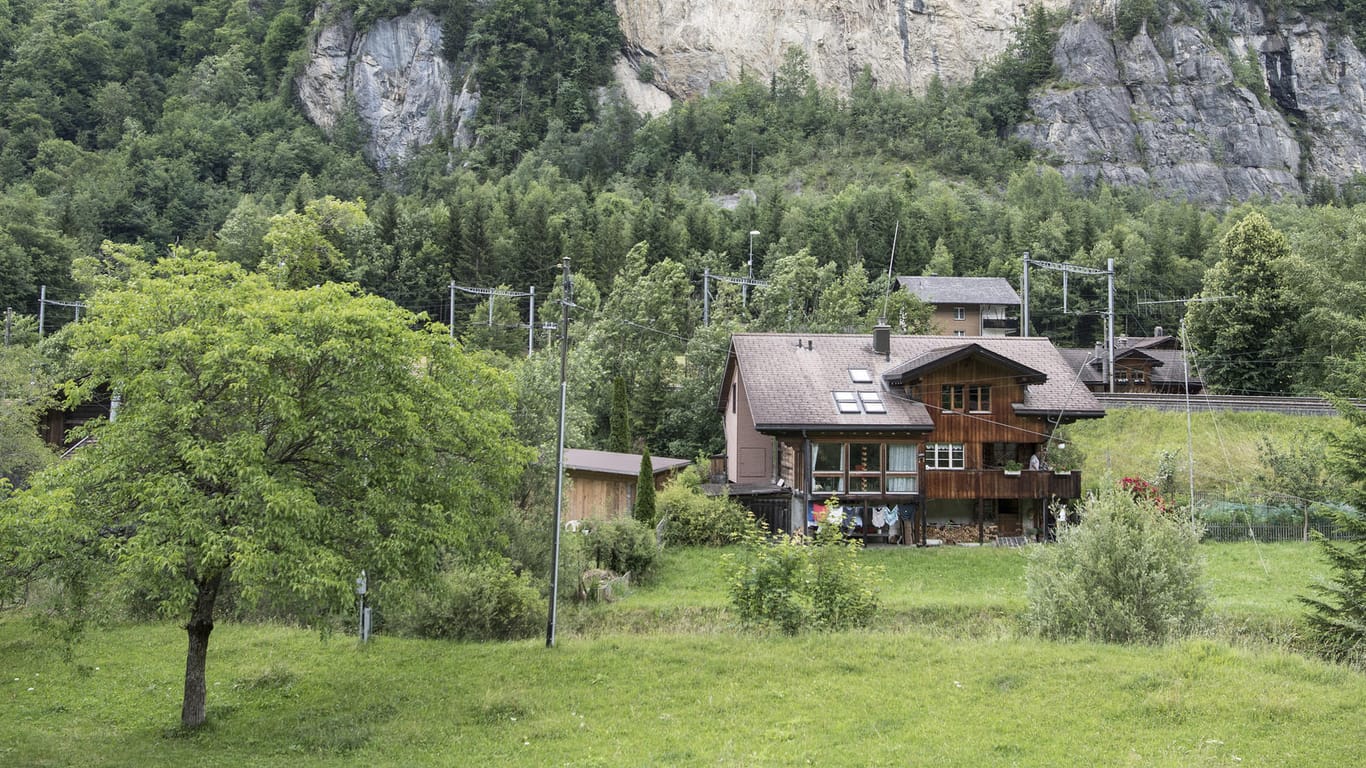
(270, 441)
(1241, 332)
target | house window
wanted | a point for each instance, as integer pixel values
(1138, 377)
(943, 456)
(855, 402)
(979, 399)
(872, 402)
(959, 313)
(901, 474)
(860, 375)
(847, 402)
(951, 397)
(960, 333)
(865, 467)
(827, 468)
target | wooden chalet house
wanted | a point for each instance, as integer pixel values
(908, 431)
(1146, 365)
(968, 306)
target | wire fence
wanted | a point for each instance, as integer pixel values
(1270, 532)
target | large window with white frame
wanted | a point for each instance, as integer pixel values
(943, 456)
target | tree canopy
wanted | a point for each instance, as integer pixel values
(271, 442)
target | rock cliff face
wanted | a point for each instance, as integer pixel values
(1166, 111)
(1225, 102)
(394, 77)
(692, 44)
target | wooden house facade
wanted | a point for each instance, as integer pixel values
(908, 432)
(1144, 365)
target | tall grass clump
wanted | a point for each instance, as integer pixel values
(1129, 572)
(621, 546)
(789, 583)
(486, 601)
(695, 519)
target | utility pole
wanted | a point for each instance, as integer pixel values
(452, 323)
(9, 323)
(531, 324)
(565, 300)
(750, 264)
(42, 305)
(706, 296)
(1109, 273)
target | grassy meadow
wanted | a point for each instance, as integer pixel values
(662, 677)
(1130, 442)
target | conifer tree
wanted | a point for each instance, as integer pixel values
(645, 490)
(619, 439)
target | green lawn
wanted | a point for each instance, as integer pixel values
(661, 678)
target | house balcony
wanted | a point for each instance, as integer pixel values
(997, 484)
(997, 324)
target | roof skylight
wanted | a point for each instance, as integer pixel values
(860, 375)
(856, 402)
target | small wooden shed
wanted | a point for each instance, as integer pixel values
(603, 483)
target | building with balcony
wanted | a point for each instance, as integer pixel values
(909, 433)
(968, 306)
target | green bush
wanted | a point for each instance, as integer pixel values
(788, 584)
(1127, 573)
(481, 602)
(699, 520)
(621, 546)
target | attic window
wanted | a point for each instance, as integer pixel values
(846, 402)
(860, 375)
(872, 402)
(856, 402)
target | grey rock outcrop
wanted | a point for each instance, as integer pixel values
(692, 44)
(1166, 112)
(394, 77)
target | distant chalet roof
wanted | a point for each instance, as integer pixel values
(790, 388)
(612, 463)
(1168, 365)
(961, 290)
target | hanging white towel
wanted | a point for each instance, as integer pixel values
(879, 517)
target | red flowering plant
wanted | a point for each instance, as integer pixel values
(1142, 490)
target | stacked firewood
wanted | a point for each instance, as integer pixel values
(960, 534)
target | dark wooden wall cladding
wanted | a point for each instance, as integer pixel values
(995, 484)
(998, 424)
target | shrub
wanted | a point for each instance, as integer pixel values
(481, 602)
(1127, 573)
(787, 584)
(699, 520)
(621, 546)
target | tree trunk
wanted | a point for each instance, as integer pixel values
(200, 625)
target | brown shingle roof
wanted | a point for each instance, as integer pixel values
(790, 387)
(613, 463)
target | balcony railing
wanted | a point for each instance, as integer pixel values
(997, 484)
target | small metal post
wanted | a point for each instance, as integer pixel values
(42, 305)
(364, 629)
(531, 324)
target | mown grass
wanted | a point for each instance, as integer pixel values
(653, 690)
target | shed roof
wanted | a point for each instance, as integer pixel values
(961, 290)
(613, 463)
